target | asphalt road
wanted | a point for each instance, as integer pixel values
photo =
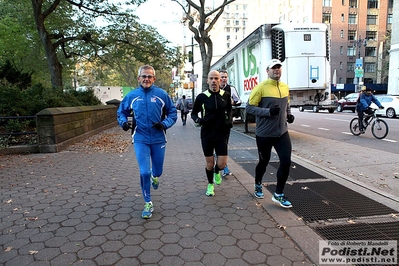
(323, 140)
(335, 126)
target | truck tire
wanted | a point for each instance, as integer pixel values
(301, 109)
(331, 110)
(315, 109)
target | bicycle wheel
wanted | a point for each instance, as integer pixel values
(354, 126)
(379, 129)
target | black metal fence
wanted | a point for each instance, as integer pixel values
(17, 130)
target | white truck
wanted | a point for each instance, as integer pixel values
(303, 50)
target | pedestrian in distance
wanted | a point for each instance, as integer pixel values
(269, 102)
(184, 109)
(153, 113)
(214, 105)
(363, 106)
(235, 101)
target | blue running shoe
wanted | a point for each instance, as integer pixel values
(154, 182)
(226, 171)
(148, 209)
(282, 200)
(258, 192)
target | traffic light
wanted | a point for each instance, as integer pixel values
(190, 56)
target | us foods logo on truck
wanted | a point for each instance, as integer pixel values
(251, 71)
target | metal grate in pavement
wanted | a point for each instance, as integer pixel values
(297, 171)
(360, 231)
(328, 200)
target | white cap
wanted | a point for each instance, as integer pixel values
(274, 62)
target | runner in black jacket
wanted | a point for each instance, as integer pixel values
(215, 107)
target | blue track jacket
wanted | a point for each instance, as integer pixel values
(149, 107)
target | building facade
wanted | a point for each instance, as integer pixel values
(359, 31)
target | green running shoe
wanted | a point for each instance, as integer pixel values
(218, 178)
(210, 190)
(148, 209)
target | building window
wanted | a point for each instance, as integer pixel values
(351, 35)
(353, 3)
(227, 29)
(237, 22)
(351, 51)
(227, 37)
(237, 29)
(369, 67)
(340, 80)
(351, 66)
(227, 22)
(352, 19)
(326, 18)
(341, 50)
(370, 51)
(372, 4)
(342, 17)
(371, 35)
(390, 3)
(371, 19)
(340, 65)
(342, 34)
(389, 20)
(326, 2)
(349, 80)
(343, 2)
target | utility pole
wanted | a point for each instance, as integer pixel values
(359, 63)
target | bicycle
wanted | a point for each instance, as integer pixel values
(379, 128)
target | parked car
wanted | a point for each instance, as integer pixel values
(190, 103)
(348, 102)
(391, 105)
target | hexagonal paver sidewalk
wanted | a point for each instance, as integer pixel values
(83, 208)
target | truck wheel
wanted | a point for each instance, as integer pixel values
(339, 108)
(301, 109)
(331, 110)
(315, 109)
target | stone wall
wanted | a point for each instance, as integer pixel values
(57, 128)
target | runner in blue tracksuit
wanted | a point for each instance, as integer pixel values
(153, 113)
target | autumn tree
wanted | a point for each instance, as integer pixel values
(74, 30)
(200, 19)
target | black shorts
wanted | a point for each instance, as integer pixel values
(217, 146)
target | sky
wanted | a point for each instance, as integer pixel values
(164, 15)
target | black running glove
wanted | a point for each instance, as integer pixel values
(126, 126)
(290, 119)
(158, 126)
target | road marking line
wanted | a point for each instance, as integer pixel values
(342, 120)
(389, 140)
(305, 125)
(321, 128)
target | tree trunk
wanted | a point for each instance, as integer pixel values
(50, 49)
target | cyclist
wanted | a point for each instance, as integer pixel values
(363, 106)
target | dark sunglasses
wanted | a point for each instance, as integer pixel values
(146, 76)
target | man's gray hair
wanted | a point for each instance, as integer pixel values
(146, 67)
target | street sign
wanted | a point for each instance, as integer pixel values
(193, 77)
(359, 62)
(359, 72)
